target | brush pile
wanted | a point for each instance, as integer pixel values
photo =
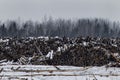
(80, 51)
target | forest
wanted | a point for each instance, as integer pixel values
(60, 27)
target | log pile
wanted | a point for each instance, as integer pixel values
(80, 51)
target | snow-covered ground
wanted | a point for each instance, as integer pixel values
(43, 72)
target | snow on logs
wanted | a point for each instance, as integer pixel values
(78, 51)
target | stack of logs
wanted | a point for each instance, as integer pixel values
(80, 51)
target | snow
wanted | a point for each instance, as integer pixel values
(56, 37)
(43, 37)
(85, 43)
(5, 40)
(50, 54)
(46, 38)
(65, 47)
(116, 54)
(43, 72)
(59, 49)
(115, 45)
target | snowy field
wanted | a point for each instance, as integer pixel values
(41, 72)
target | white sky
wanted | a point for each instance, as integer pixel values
(37, 9)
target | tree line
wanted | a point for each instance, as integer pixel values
(61, 27)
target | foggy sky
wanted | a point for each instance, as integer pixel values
(37, 9)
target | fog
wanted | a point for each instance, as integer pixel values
(37, 9)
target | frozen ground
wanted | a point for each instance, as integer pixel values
(41, 72)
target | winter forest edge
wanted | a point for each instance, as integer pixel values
(60, 27)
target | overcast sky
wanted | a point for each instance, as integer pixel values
(37, 9)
